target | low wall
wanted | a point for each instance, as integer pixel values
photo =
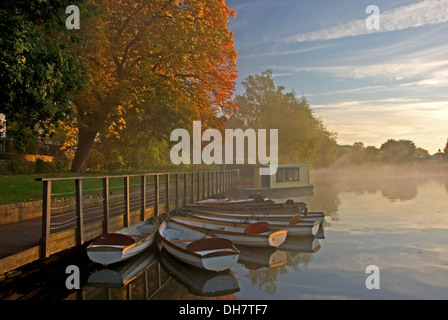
(20, 211)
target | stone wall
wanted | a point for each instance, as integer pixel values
(20, 211)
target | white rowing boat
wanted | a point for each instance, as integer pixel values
(250, 204)
(294, 226)
(245, 218)
(258, 234)
(280, 216)
(197, 247)
(115, 247)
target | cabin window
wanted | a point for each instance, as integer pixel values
(288, 174)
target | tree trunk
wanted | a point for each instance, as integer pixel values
(85, 143)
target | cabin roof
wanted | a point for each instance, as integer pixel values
(287, 166)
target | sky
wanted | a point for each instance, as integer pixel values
(367, 85)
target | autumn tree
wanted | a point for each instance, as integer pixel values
(302, 136)
(154, 65)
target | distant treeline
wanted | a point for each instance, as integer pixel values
(391, 152)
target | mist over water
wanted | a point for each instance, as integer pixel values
(389, 216)
(393, 218)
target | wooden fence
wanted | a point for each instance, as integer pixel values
(90, 213)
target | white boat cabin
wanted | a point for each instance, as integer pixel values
(287, 176)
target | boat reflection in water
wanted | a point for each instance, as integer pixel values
(256, 258)
(199, 282)
(301, 244)
(134, 279)
(124, 273)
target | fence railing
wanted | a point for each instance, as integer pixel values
(103, 204)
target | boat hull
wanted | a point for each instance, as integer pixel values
(213, 259)
(302, 228)
(275, 215)
(113, 253)
(237, 232)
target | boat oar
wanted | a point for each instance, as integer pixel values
(258, 227)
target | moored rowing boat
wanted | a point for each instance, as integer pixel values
(265, 216)
(258, 234)
(249, 205)
(294, 228)
(125, 243)
(197, 247)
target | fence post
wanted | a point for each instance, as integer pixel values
(157, 191)
(143, 192)
(192, 187)
(46, 216)
(208, 184)
(105, 205)
(79, 211)
(177, 191)
(185, 189)
(127, 215)
(167, 209)
(198, 189)
(203, 185)
(216, 179)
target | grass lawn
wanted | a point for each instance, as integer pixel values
(18, 188)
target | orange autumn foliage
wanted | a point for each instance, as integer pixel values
(164, 49)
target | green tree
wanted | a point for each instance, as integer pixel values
(372, 154)
(358, 154)
(38, 71)
(400, 151)
(422, 152)
(302, 136)
(445, 150)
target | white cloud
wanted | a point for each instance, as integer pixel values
(425, 12)
(283, 52)
(394, 70)
(428, 67)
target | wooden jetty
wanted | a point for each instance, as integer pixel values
(62, 228)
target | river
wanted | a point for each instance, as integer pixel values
(397, 224)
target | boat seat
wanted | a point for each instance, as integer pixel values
(110, 239)
(146, 229)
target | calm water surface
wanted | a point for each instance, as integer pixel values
(397, 224)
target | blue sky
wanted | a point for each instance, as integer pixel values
(366, 85)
